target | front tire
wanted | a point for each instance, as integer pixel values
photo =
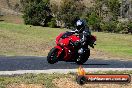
(52, 56)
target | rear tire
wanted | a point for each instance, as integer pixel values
(52, 56)
(83, 58)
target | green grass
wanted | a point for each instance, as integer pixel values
(44, 79)
(20, 39)
(25, 39)
(115, 44)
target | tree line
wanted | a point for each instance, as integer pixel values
(103, 15)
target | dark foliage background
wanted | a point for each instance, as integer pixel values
(102, 16)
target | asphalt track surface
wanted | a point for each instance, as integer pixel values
(31, 64)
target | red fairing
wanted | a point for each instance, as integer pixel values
(64, 42)
(74, 38)
(58, 38)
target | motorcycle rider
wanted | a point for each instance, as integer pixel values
(84, 32)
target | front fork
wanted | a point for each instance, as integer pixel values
(60, 49)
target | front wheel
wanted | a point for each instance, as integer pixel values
(52, 56)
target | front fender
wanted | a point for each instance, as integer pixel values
(59, 50)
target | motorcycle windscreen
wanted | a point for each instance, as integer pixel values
(66, 35)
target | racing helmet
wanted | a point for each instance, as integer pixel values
(80, 24)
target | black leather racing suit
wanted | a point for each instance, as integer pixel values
(84, 36)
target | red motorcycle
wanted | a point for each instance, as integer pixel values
(69, 49)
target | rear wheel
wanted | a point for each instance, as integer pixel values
(81, 60)
(52, 56)
(83, 57)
